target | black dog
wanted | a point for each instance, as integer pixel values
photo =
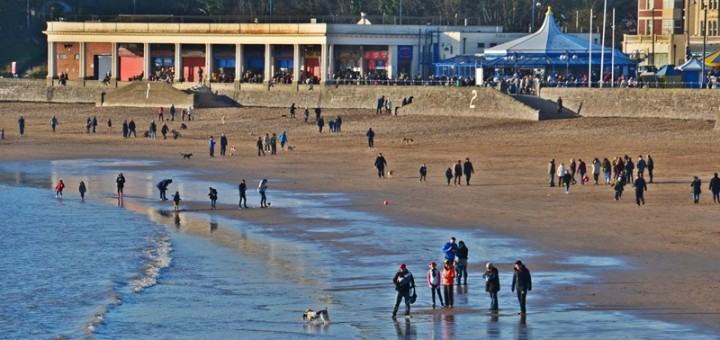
(183, 126)
(186, 155)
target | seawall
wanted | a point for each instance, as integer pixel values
(692, 104)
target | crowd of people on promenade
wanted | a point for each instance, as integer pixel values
(454, 272)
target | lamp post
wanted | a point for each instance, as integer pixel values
(704, 32)
(566, 59)
(532, 20)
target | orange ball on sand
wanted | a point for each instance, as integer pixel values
(386, 202)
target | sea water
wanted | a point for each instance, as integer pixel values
(94, 269)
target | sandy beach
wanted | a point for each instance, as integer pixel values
(670, 244)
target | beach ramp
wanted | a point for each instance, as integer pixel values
(147, 94)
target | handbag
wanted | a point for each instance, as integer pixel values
(413, 297)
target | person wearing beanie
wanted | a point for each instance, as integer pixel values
(492, 285)
(403, 282)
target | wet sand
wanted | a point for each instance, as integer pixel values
(669, 243)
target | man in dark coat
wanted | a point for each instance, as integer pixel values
(715, 188)
(371, 138)
(492, 284)
(380, 164)
(242, 188)
(223, 144)
(404, 282)
(640, 188)
(163, 186)
(458, 170)
(468, 170)
(521, 283)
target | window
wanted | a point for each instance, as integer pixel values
(667, 26)
(62, 56)
(493, 44)
(648, 27)
(481, 45)
(77, 57)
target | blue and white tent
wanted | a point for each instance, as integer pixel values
(550, 48)
(691, 73)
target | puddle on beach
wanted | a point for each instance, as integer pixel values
(230, 278)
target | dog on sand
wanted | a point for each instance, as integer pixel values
(408, 141)
(232, 150)
(183, 126)
(311, 316)
(186, 155)
(291, 148)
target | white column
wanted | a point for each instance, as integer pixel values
(415, 63)
(81, 63)
(267, 72)
(296, 63)
(392, 62)
(52, 62)
(238, 62)
(362, 60)
(114, 63)
(178, 63)
(209, 63)
(323, 63)
(331, 61)
(146, 61)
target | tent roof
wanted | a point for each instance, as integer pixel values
(460, 60)
(667, 70)
(549, 40)
(690, 65)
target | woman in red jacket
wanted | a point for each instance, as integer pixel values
(448, 276)
(59, 189)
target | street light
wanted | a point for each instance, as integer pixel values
(532, 20)
(704, 31)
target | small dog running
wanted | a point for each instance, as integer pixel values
(186, 155)
(408, 141)
(311, 316)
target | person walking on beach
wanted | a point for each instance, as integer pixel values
(223, 144)
(619, 186)
(172, 112)
(88, 124)
(582, 169)
(213, 194)
(211, 146)
(320, 123)
(492, 285)
(161, 110)
(468, 170)
(650, 168)
(450, 250)
(560, 105)
(306, 114)
(94, 123)
(433, 280)
(317, 113)
(371, 138)
(423, 173)
(462, 260)
(641, 165)
(596, 170)
(448, 283)
(82, 189)
(162, 186)
(259, 145)
(640, 188)
(448, 175)
(262, 189)
(53, 123)
(120, 181)
(153, 129)
(176, 201)
(573, 170)
(59, 189)
(629, 168)
(292, 110)
(126, 129)
(109, 125)
(607, 170)
(380, 164)
(132, 129)
(21, 125)
(164, 130)
(567, 180)
(283, 138)
(561, 174)
(715, 188)
(551, 172)
(266, 142)
(521, 284)
(695, 186)
(404, 282)
(458, 171)
(242, 188)
(273, 144)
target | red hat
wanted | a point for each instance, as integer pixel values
(402, 266)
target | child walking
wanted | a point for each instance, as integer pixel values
(433, 280)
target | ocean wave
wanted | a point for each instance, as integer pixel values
(156, 258)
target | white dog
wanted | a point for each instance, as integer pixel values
(314, 317)
(232, 150)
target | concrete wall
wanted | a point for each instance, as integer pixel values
(658, 103)
(24, 90)
(444, 101)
